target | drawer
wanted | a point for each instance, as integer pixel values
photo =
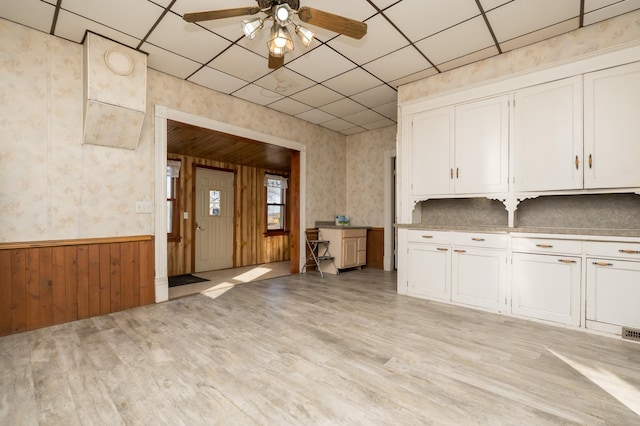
(607, 249)
(473, 239)
(543, 245)
(354, 233)
(427, 236)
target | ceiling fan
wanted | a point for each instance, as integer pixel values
(281, 12)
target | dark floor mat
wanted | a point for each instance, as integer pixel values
(179, 280)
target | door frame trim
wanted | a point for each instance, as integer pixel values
(161, 115)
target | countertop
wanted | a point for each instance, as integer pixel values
(343, 227)
(627, 233)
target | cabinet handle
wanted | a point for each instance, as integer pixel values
(451, 170)
(442, 249)
(629, 251)
(544, 246)
(427, 236)
(457, 173)
(590, 161)
(567, 261)
(460, 251)
(477, 239)
(577, 163)
(602, 264)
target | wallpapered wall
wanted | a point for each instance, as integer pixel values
(609, 33)
(54, 187)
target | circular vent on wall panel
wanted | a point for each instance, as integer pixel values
(119, 62)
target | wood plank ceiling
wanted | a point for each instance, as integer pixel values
(193, 141)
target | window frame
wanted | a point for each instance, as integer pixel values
(174, 235)
(285, 209)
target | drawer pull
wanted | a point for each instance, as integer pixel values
(427, 236)
(629, 251)
(590, 161)
(460, 251)
(577, 162)
(602, 264)
(544, 246)
(567, 261)
(451, 173)
(477, 239)
(442, 249)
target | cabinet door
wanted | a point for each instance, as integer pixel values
(362, 251)
(613, 291)
(612, 126)
(479, 278)
(429, 271)
(547, 145)
(431, 145)
(349, 252)
(482, 146)
(546, 287)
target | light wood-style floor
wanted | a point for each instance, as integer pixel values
(307, 350)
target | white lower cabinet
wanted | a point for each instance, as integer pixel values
(546, 287)
(479, 277)
(429, 270)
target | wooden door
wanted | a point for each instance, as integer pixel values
(214, 219)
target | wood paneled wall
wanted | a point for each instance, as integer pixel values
(375, 248)
(251, 246)
(47, 283)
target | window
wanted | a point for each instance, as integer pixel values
(276, 187)
(214, 202)
(173, 206)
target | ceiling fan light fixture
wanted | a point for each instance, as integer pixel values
(282, 14)
(305, 35)
(280, 41)
(250, 27)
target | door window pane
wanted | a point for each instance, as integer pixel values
(214, 203)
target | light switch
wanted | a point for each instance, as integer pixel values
(143, 207)
(185, 215)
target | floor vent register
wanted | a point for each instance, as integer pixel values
(631, 334)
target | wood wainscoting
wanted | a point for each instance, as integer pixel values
(52, 282)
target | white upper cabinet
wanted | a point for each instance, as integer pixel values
(461, 150)
(432, 152)
(612, 127)
(548, 137)
(482, 146)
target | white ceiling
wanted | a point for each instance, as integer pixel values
(343, 84)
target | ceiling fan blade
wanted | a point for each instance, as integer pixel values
(219, 14)
(331, 22)
(275, 62)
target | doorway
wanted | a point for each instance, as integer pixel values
(214, 207)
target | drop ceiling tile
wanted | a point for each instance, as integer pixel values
(161, 3)
(487, 5)
(470, 36)
(399, 64)
(227, 27)
(379, 124)
(418, 19)
(315, 116)
(290, 106)
(352, 82)
(389, 110)
(521, 17)
(591, 5)
(241, 63)
(343, 107)
(467, 59)
(363, 118)
(317, 96)
(284, 82)
(217, 80)
(540, 35)
(377, 96)
(185, 39)
(383, 4)
(358, 10)
(73, 27)
(133, 17)
(31, 13)
(257, 95)
(321, 64)
(600, 14)
(337, 125)
(380, 40)
(168, 62)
